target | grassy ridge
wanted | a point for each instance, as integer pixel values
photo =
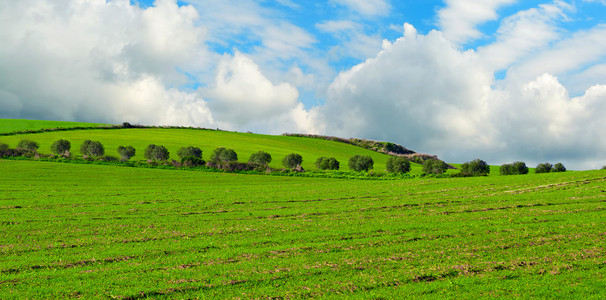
(12, 125)
(243, 143)
(102, 231)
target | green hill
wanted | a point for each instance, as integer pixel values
(14, 125)
(173, 138)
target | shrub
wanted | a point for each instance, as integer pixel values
(156, 153)
(475, 167)
(223, 155)
(543, 168)
(126, 152)
(92, 148)
(190, 151)
(61, 147)
(292, 161)
(108, 158)
(360, 163)
(515, 168)
(604, 168)
(261, 158)
(3, 147)
(434, 166)
(327, 163)
(559, 167)
(398, 164)
(27, 145)
(191, 161)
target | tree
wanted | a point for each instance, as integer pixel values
(92, 148)
(156, 153)
(434, 166)
(27, 145)
(190, 151)
(3, 147)
(292, 161)
(261, 158)
(61, 147)
(223, 155)
(559, 167)
(398, 164)
(126, 152)
(360, 163)
(515, 168)
(543, 168)
(475, 167)
(327, 163)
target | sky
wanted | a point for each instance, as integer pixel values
(499, 80)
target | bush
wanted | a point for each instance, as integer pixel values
(190, 151)
(191, 161)
(223, 155)
(398, 164)
(126, 152)
(475, 167)
(604, 168)
(261, 158)
(360, 163)
(434, 166)
(3, 147)
(27, 145)
(559, 167)
(156, 153)
(292, 161)
(515, 168)
(92, 148)
(61, 147)
(543, 168)
(327, 163)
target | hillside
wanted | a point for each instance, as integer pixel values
(16, 125)
(173, 138)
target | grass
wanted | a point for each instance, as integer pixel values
(243, 143)
(103, 231)
(12, 125)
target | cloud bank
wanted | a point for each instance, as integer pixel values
(533, 91)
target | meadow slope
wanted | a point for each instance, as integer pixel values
(103, 231)
(12, 125)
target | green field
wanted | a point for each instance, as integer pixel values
(87, 231)
(12, 125)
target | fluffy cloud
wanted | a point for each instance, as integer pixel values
(459, 19)
(242, 97)
(366, 7)
(425, 93)
(99, 61)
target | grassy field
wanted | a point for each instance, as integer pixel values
(102, 231)
(243, 143)
(12, 125)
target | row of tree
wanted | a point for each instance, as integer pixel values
(227, 159)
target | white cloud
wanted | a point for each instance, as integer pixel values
(460, 18)
(366, 7)
(242, 97)
(99, 61)
(524, 33)
(422, 92)
(354, 42)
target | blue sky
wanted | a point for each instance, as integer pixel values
(502, 80)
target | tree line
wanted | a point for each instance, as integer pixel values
(227, 159)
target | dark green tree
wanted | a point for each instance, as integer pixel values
(543, 168)
(61, 147)
(223, 155)
(189, 151)
(126, 152)
(292, 161)
(156, 153)
(92, 148)
(261, 158)
(434, 166)
(27, 145)
(327, 163)
(515, 168)
(398, 164)
(559, 167)
(360, 163)
(475, 167)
